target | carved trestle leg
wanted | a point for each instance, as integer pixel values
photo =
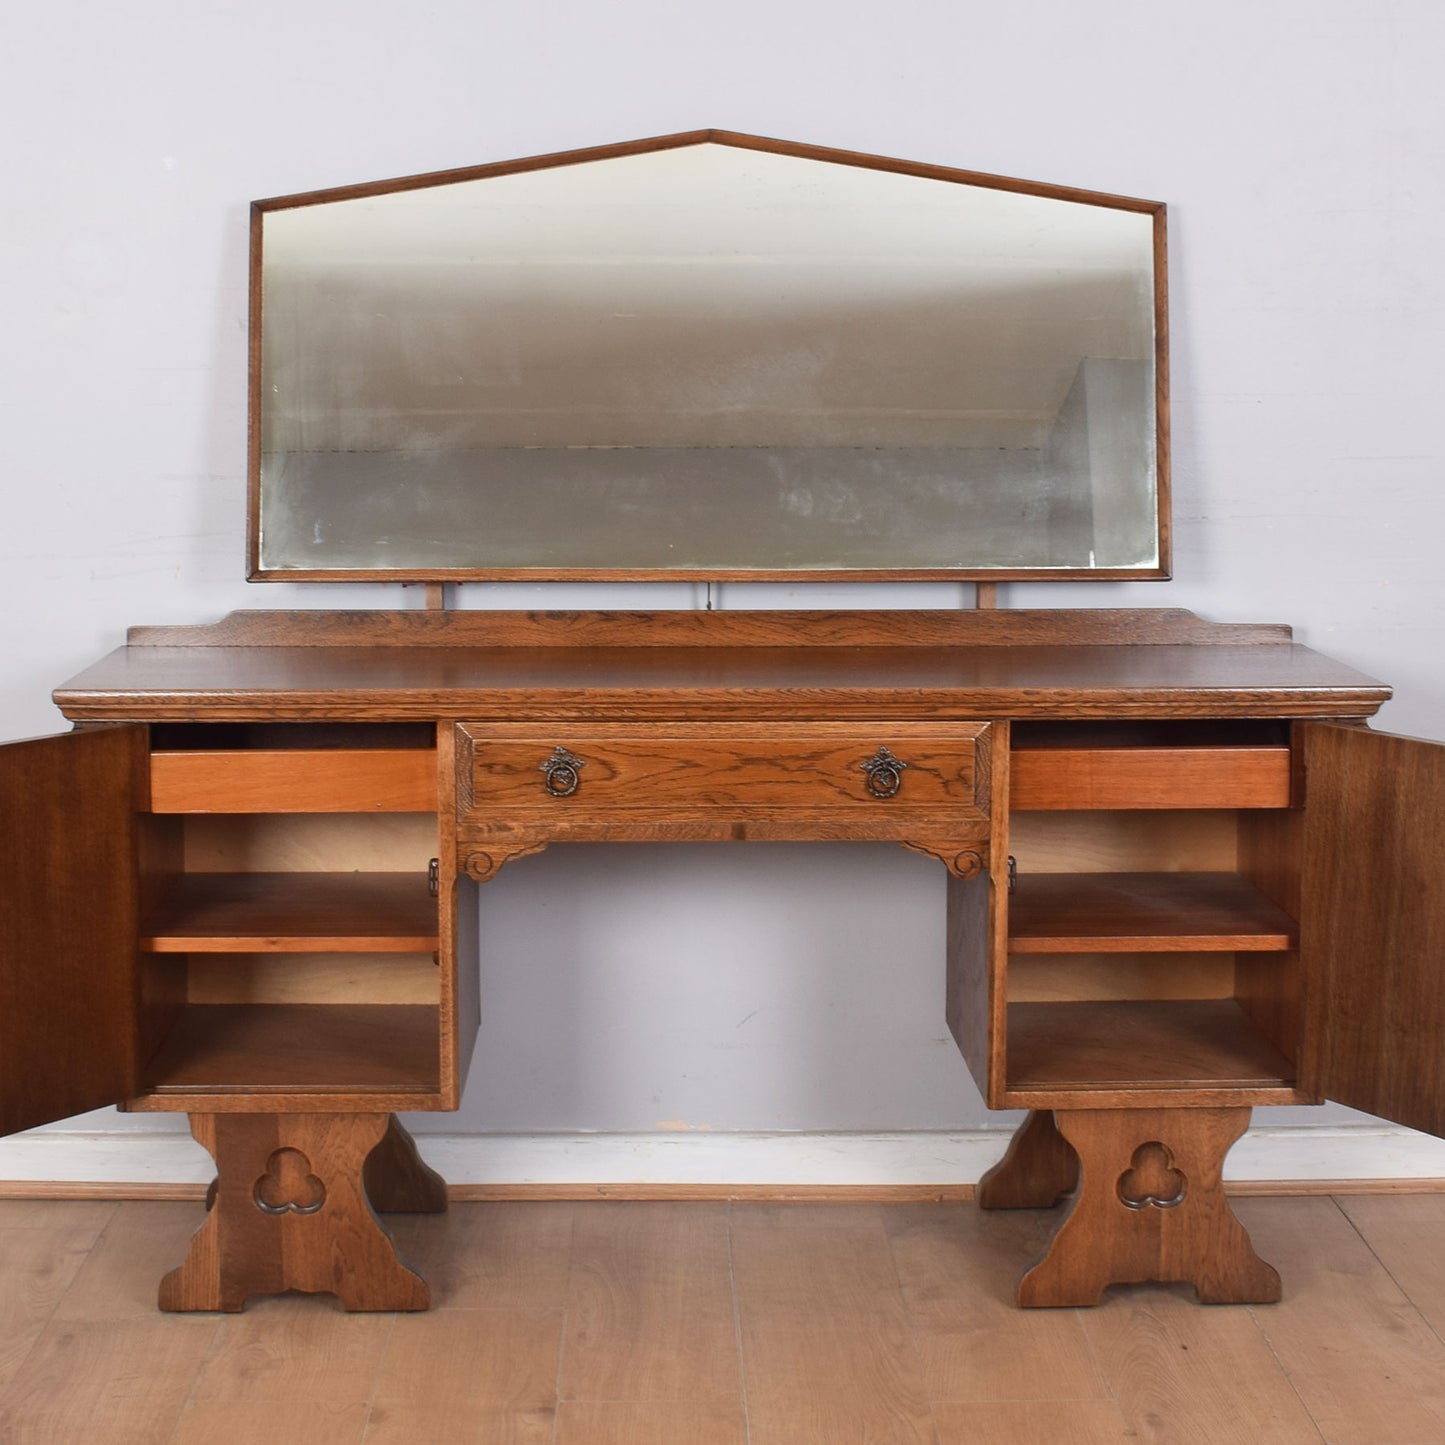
(1039, 1169)
(289, 1211)
(1150, 1206)
(398, 1180)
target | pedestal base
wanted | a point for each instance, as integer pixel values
(289, 1211)
(1039, 1169)
(398, 1180)
(1150, 1204)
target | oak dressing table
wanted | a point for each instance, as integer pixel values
(1184, 877)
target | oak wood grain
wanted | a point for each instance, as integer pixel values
(1374, 850)
(1038, 1169)
(677, 771)
(294, 913)
(266, 1049)
(934, 627)
(375, 978)
(308, 842)
(974, 958)
(968, 986)
(1272, 988)
(294, 781)
(398, 1180)
(1059, 779)
(1192, 1046)
(289, 1212)
(1147, 841)
(1150, 1207)
(1066, 977)
(393, 667)
(1144, 912)
(68, 851)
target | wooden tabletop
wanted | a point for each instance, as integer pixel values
(384, 666)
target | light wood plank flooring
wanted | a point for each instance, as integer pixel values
(716, 1324)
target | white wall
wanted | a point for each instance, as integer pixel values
(1299, 146)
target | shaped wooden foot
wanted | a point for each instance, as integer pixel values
(397, 1179)
(288, 1212)
(1039, 1169)
(1150, 1206)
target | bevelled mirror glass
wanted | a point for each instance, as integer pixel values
(708, 356)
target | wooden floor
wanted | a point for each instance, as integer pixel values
(716, 1324)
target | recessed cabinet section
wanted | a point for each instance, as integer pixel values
(1152, 935)
(291, 917)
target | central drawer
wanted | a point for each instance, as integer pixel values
(863, 780)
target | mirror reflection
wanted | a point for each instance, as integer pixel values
(707, 360)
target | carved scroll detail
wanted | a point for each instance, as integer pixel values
(484, 864)
(963, 863)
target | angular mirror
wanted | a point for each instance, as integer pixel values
(708, 356)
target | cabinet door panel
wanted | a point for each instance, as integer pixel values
(67, 924)
(1373, 922)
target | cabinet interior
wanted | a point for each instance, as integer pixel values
(1152, 932)
(289, 929)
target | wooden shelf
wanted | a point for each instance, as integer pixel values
(1174, 1044)
(294, 913)
(299, 1048)
(1144, 913)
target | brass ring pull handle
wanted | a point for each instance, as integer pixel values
(560, 773)
(884, 773)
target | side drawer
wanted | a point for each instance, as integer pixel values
(295, 780)
(1149, 777)
(867, 778)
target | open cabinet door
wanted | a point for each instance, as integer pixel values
(1373, 922)
(68, 883)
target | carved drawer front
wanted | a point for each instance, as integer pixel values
(864, 780)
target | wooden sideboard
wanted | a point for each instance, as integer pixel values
(1184, 879)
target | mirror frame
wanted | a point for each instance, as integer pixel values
(1155, 209)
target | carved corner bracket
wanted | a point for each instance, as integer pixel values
(483, 864)
(962, 861)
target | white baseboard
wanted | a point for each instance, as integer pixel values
(1339, 1152)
